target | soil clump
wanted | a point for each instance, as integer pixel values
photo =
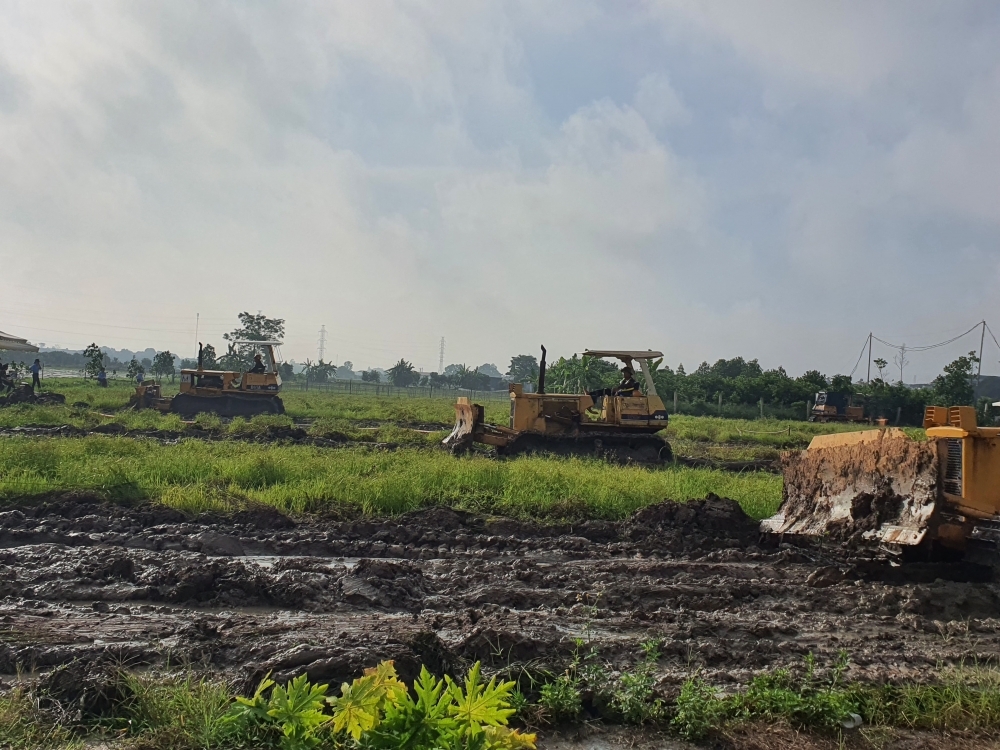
(25, 394)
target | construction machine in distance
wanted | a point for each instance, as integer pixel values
(222, 392)
(836, 407)
(914, 497)
(601, 424)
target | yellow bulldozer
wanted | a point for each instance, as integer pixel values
(616, 425)
(226, 393)
(911, 496)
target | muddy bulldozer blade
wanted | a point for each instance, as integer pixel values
(468, 416)
(877, 483)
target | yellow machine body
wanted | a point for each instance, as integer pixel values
(227, 393)
(572, 422)
(218, 382)
(884, 486)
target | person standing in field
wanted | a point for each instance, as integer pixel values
(36, 371)
(102, 378)
(139, 377)
(6, 382)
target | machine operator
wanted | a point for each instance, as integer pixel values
(629, 385)
(258, 365)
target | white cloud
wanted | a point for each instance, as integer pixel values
(395, 171)
(658, 102)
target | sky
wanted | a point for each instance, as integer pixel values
(765, 179)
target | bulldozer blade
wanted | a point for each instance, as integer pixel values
(467, 417)
(876, 483)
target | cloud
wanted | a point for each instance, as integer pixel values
(658, 102)
(768, 180)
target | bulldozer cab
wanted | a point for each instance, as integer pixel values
(202, 381)
(638, 409)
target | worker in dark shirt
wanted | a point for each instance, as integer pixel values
(629, 385)
(36, 370)
(258, 365)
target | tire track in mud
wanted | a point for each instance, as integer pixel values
(257, 592)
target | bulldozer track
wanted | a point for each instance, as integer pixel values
(228, 405)
(622, 449)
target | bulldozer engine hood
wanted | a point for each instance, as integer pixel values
(878, 484)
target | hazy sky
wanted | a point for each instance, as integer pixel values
(768, 179)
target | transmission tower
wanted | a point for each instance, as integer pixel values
(441, 358)
(322, 342)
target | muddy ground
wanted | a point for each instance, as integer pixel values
(258, 592)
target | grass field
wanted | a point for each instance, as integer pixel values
(197, 475)
(341, 412)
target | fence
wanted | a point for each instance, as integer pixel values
(361, 388)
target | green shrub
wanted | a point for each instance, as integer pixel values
(561, 698)
(377, 711)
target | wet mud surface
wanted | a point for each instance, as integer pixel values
(257, 592)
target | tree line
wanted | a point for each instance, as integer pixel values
(733, 381)
(741, 382)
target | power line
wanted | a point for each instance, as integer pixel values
(929, 346)
(863, 347)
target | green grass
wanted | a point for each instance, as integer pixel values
(198, 475)
(24, 727)
(174, 711)
(188, 711)
(773, 433)
(353, 414)
(315, 405)
(962, 699)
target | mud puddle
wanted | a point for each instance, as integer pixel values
(258, 592)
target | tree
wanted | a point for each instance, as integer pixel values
(489, 370)
(318, 372)
(880, 365)
(286, 371)
(252, 328)
(163, 365)
(901, 361)
(841, 384)
(133, 368)
(402, 374)
(209, 360)
(371, 376)
(954, 386)
(95, 360)
(523, 369)
(461, 376)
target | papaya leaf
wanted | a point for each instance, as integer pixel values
(478, 705)
(356, 710)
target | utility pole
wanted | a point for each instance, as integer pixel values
(197, 320)
(982, 339)
(441, 358)
(869, 357)
(322, 342)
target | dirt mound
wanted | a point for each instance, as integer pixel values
(709, 524)
(25, 394)
(875, 479)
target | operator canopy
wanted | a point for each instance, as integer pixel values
(621, 354)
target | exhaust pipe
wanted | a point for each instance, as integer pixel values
(541, 373)
(201, 357)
